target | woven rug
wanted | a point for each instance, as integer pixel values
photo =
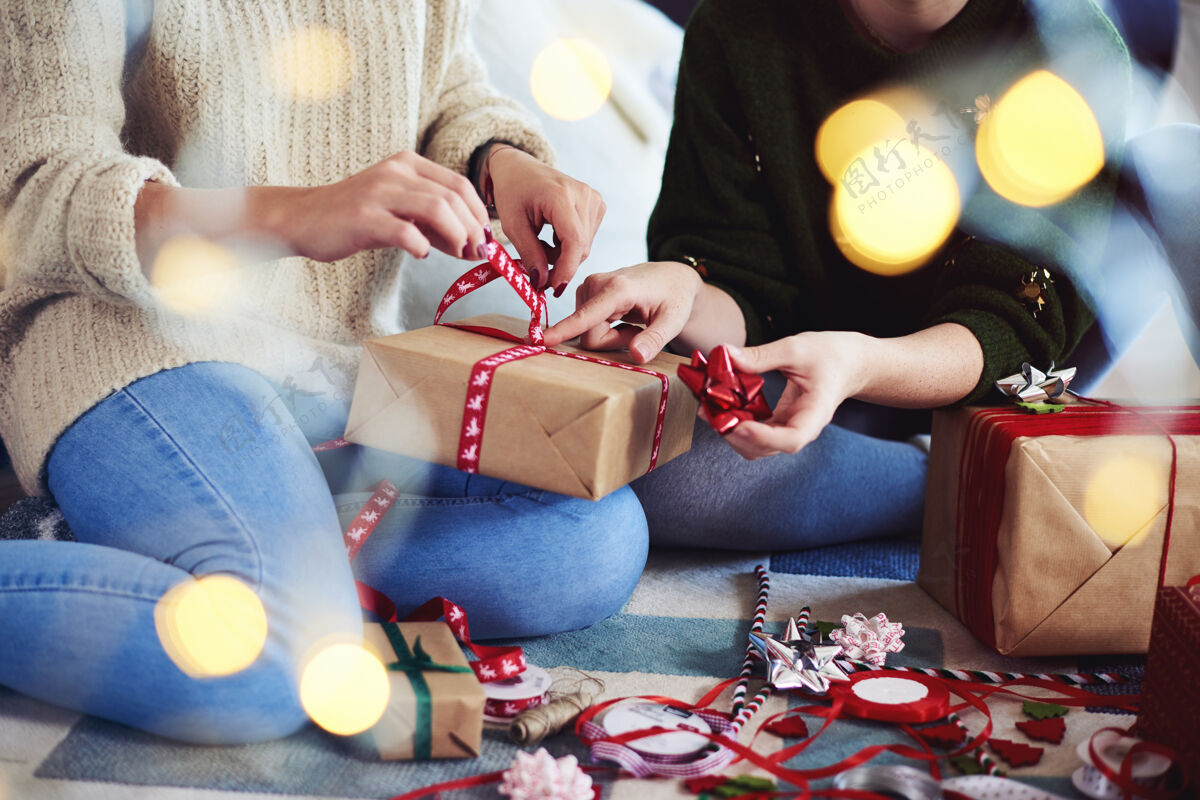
(683, 631)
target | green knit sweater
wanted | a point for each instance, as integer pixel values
(744, 200)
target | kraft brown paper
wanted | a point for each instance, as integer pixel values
(555, 423)
(1059, 588)
(458, 699)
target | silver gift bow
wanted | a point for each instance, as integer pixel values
(796, 662)
(1031, 385)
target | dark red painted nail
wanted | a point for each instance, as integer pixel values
(558, 290)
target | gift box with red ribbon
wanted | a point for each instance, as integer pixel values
(1171, 692)
(1049, 534)
(486, 395)
(436, 704)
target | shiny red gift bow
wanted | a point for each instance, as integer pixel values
(727, 395)
(986, 448)
(492, 663)
(479, 384)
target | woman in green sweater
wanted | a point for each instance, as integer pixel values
(743, 254)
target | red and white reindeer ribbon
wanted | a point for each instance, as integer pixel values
(479, 385)
(492, 663)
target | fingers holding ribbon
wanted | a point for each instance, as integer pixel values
(529, 194)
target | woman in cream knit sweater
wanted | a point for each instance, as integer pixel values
(178, 441)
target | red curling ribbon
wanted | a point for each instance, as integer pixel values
(1124, 779)
(479, 384)
(801, 778)
(727, 395)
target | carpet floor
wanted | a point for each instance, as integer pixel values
(681, 632)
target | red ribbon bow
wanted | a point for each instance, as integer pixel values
(501, 265)
(726, 395)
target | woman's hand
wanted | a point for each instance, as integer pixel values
(822, 369)
(405, 201)
(659, 295)
(528, 194)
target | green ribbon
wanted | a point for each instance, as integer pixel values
(412, 663)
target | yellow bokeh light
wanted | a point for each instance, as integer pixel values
(212, 626)
(1124, 493)
(571, 79)
(893, 206)
(312, 64)
(1040, 142)
(194, 275)
(860, 124)
(344, 689)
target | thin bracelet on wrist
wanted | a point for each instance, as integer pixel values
(481, 171)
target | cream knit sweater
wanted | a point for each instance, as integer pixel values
(207, 104)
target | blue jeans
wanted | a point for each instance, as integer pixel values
(206, 469)
(844, 486)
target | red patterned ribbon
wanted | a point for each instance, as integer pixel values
(507, 709)
(383, 496)
(986, 449)
(493, 663)
(727, 395)
(332, 444)
(479, 385)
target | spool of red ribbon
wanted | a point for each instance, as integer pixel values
(727, 395)
(909, 698)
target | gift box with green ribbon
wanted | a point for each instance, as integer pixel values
(436, 706)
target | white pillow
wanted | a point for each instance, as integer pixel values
(619, 150)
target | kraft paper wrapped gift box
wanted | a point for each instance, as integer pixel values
(1171, 693)
(433, 712)
(556, 423)
(1044, 533)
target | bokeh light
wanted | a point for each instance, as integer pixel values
(895, 200)
(889, 221)
(344, 688)
(850, 129)
(194, 275)
(312, 64)
(211, 626)
(571, 79)
(1125, 492)
(1040, 142)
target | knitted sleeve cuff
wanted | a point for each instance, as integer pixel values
(100, 225)
(501, 120)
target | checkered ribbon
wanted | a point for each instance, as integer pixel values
(605, 747)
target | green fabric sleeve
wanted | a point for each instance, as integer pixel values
(978, 290)
(978, 284)
(713, 202)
